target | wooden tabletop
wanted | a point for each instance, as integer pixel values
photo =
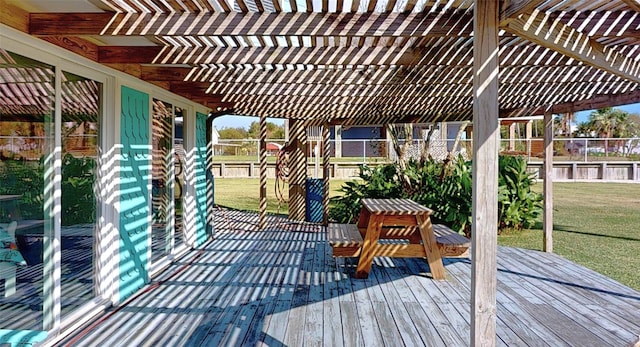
(395, 207)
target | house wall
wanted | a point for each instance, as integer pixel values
(121, 261)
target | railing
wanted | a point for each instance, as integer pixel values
(33, 147)
(375, 151)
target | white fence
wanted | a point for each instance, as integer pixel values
(367, 151)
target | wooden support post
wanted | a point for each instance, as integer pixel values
(326, 157)
(262, 223)
(297, 169)
(486, 138)
(548, 183)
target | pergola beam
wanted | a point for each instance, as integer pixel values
(514, 8)
(592, 103)
(634, 4)
(539, 28)
(69, 23)
(404, 24)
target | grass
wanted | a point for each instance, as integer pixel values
(244, 194)
(595, 224)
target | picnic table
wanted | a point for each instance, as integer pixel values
(404, 219)
(393, 219)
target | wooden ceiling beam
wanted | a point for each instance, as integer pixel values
(69, 23)
(508, 76)
(586, 104)
(538, 28)
(406, 24)
(76, 45)
(273, 56)
(164, 73)
(195, 88)
(128, 54)
(613, 24)
(14, 16)
(447, 54)
(513, 8)
(634, 4)
(520, 92)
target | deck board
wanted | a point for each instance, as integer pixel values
(283, 287)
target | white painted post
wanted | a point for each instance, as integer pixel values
(548, 183)
(338, 141)
(512, 136)
(486, 142)
(586, 149)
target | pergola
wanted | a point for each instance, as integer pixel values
(320, 62)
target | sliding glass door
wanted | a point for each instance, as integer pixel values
(49, 161)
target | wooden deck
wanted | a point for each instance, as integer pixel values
(281, 287)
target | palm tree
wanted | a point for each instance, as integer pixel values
(606, 122)
(564, 122)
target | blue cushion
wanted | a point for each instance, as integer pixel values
(9, 249)
(12, 256)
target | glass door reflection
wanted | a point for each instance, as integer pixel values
(162, 179)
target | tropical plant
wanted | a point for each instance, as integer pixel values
(78, 197)
(445, 187)
(25, 178)
(518, 206)
(376, 182)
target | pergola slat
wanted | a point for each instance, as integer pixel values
(538, 28)
(421, 24)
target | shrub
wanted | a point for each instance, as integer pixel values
(78, 198)
(377, 182)
(26, 178)
(446, 187)
(518, 206)
(447, 190)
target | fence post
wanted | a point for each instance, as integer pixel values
(586, 149)
(364, 151)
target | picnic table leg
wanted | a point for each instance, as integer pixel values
(430, 247)
(363, 221)
(368, 247)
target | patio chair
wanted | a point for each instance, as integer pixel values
(8, 268)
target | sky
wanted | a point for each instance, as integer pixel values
(584, 115)
(244, 122)
(241, 121)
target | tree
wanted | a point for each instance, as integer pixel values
(563, 123)
(608, 123)
(274, 131)
(233, 133)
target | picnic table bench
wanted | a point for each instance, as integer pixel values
(382, 219)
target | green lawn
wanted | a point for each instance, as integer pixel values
(595, 224)
(243, 194)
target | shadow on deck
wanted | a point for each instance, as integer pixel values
(282, 287)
